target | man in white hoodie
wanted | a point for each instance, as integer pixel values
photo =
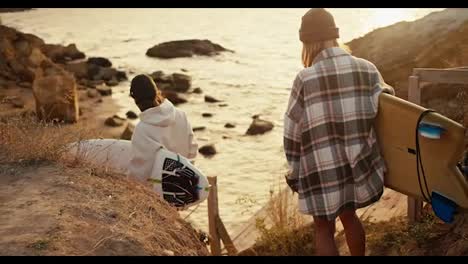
(161, 125)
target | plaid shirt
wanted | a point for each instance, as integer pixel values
(329, 139)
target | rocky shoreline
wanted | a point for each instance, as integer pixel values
(29, 67)
(24, 58)
(61, 83)
(54, 82)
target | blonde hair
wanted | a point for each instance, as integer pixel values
(311, 50)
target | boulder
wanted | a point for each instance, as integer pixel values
(131, 115)
(80, 69)
(197, 90)
(56, 97)
(176, 82)
(23, 48)
(207, 114)
(36, 58)
(207, 150)
(182, 82)
(100, 61)
(23, 72)
(185, 48)
(211, 99)
(104, 90)
(223, 105)
(161, 77)
(114, 121)
(112, 83)
(200, 128)
(174, 97)
(62, 54)
(229, 125)
(121, 76)
(92, 93)
(259, 126)
(128, 132)
(105, 74)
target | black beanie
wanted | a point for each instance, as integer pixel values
(143, 90)
(318, 25)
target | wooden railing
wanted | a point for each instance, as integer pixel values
(420, 75)
(216, 226)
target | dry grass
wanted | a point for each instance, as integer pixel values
(132, 213)
(286, 235)
(89, 211)
(396, 237)
(24, 139)
(282, 232)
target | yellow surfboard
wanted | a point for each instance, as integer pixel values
(396, 131)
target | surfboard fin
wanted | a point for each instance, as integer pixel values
(443, 207)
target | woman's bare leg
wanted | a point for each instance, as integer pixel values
(325, 237)
(355, 234)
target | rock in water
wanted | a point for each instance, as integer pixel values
(114, 121)
(112, 82)
(259, 126)
(211, 99)
(182, 82)
(62, 54)
(103, 62)
(208, 150)
(197, 90)
(104, 90)
(56, 98)
(201, 128)
(80, 69)
(128, 132)
(185, 48)
(175, 82)
(131, 115)
(174, 97)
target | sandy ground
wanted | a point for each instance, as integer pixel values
(54, 210)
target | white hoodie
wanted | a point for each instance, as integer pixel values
(161, 126)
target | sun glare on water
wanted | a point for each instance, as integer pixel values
(383, 17)
(355, 22)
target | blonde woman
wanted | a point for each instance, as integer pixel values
(329, 139)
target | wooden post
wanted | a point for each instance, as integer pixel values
(213, 214)
(228, 244)
(414, 95)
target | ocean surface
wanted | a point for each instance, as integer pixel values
(253, 80)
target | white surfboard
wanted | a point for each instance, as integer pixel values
(115, 155)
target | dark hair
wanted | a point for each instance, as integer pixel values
(145, 92)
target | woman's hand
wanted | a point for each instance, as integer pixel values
(293, 184)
